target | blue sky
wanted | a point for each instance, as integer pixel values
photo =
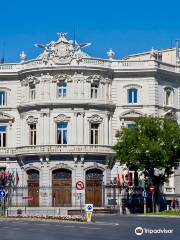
(126, 26)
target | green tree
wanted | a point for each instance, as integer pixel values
(152, 147)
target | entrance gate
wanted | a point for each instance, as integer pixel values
(33, 187)
(61, 188)
(94, 191)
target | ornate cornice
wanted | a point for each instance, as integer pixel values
(96, 79)
(62, 118)
(4, 117)
(61, 78)
(31, 120)
(95, 119)
(132, 86)
(30, 80)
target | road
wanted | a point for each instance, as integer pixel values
(105, 228)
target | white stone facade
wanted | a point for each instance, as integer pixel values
(94, 103)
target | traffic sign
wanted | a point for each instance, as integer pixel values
(28, 198)
(2, 194)
(145, 194)
(89, 207)
(151, 188)
(79, 185)
(88, 217)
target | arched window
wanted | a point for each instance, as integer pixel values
(132, 95)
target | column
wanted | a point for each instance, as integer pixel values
(106, 130)
(110, 129)
(45, 190)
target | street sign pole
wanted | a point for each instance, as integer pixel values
(153, 202)
(80, 196)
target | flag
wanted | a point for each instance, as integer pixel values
(122, 179)
(119, 180)
(129, 178)
(17, 178)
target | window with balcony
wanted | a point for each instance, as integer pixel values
(32, 129)
(62, 132)
(2, 98)
(132, 95)
(62, 89)
(94, 90)
(168, 97)
(3, 136)
(32, 92)
(94, 133)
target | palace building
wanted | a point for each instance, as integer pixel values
(59, 114)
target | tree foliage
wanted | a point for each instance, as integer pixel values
(152, 147)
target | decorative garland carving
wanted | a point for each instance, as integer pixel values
(31, 120)
(30, 80)
(96, 79)
(61, 118)
(61, 78)
(95, 119)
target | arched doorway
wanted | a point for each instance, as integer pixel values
(61, 187)
(94, 192)
(33, 187)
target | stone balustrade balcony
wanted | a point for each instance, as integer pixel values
(56, 149)
(121, 65)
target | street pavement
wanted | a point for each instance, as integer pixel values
(107, 227)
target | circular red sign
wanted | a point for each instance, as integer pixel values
(79, 185)
(151, 188)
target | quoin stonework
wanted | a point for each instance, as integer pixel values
(60, 112)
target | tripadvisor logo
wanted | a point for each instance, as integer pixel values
(139, 231)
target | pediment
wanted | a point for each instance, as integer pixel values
(5, 117)
(130, 114)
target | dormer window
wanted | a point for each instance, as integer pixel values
(62, 89)
(132, 95)
(168, 96)
(2, 98)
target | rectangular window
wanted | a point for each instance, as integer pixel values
(62, 89)
(94, 90)
(2, 98)
(132, 96)
(32, 134)
(3, 136)
(32, 92)
(94, 133)
(131, 125)
(62, 132)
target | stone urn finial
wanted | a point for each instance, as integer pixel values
(110, 54)
(23, 56)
